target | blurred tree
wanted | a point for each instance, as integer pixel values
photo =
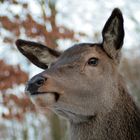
(44, 29)
(130, 68)
(17, 26)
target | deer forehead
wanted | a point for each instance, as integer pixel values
(82, 52)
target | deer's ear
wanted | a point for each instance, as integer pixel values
(38, 54)
(113, 34)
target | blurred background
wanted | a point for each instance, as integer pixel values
(57, 24)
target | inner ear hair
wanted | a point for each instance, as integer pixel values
(113, 35)
(113, 31)
(38, 54)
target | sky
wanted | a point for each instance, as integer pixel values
(87, 16)
(90, 16)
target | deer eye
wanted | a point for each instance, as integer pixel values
(93, 61)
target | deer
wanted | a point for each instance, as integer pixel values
(84, 85)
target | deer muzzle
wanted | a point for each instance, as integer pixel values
(32, 89)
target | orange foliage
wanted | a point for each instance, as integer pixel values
(10, 75)
(13, 75)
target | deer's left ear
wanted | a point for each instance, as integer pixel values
(38, 54)
(113, 34)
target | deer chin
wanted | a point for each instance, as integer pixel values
(74, 117)
(44, 99)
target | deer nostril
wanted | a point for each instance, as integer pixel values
(34, 84)
(40, 81)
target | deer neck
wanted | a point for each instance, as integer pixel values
(122, 122)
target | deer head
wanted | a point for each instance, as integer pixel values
(81, 82)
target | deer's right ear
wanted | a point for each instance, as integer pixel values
(113, 34)
(38, 54)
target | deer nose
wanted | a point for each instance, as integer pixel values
(34, 84)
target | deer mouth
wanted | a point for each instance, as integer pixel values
(57, 95)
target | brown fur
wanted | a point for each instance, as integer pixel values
(92, 96)
(120, 123)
